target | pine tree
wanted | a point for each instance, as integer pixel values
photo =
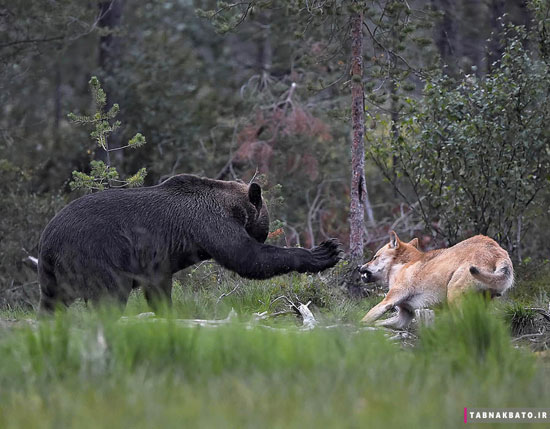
(102, 175)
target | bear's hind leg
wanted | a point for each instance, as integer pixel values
(109, 289)
(159, 294)
(50, 291)
(48, 303)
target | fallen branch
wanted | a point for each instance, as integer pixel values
(540, 311)
(150, 317)
(522, 337)
(302, 310)
(227, 293)
(308, 319)
(264, 315)
(402, 335)
(30, 260)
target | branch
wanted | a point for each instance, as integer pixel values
(540, 311)
(26, 41)
(417, 72)
(227, 293)
(30, 260)
(522, 337)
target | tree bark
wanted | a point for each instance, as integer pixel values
(358, 186)
(446, 33)
(110, 16)
(495, 47)
(266, 50)
(57, 100)
(471, 36)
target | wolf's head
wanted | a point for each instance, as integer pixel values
(389, 258)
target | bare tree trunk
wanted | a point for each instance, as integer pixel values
(358, 185)
(394, 107)
(446, 33)
(110, 15)
(525, 14)
(266, 50)
(471, 36)
(57, 100)
(495, 48)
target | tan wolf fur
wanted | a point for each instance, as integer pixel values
(418, 279)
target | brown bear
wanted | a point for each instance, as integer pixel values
(103, 245)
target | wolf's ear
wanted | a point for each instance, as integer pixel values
(414, 242)
(394, 240)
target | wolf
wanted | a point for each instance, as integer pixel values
(418, 279)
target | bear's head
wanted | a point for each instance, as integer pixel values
(257, 225)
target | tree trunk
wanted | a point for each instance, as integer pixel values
(394, 107)
(471, 36)
(495, 47)
(57, 102)
(110, 13)
(446, 33)
(358, 185)
(266, 50)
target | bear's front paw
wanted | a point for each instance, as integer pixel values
(326, 255)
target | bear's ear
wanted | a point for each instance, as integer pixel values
(255, 195)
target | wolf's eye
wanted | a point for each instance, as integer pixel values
(375, 256)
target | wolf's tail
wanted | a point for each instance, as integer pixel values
(500, 279)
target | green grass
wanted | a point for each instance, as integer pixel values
(532, 283)
(86, 369)
(200, 294)
(521, 319)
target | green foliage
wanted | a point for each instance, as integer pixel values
(533, 284)
(540, 9)
(102, 175)
(475, 156)
(209, 291)
(89, 368)
(137, 141)
(320, 39)
(23, 215)
(472, 339)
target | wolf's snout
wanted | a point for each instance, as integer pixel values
(495, 293)
(366, 275)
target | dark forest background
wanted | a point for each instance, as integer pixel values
(457, 112)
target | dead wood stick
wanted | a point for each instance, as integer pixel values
(540, 311)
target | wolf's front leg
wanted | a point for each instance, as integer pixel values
(400, 321)
(394, 297)
(377, 312)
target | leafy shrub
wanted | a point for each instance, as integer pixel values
(23, 215)
(475, 156)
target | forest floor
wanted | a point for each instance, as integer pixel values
(88, 368)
